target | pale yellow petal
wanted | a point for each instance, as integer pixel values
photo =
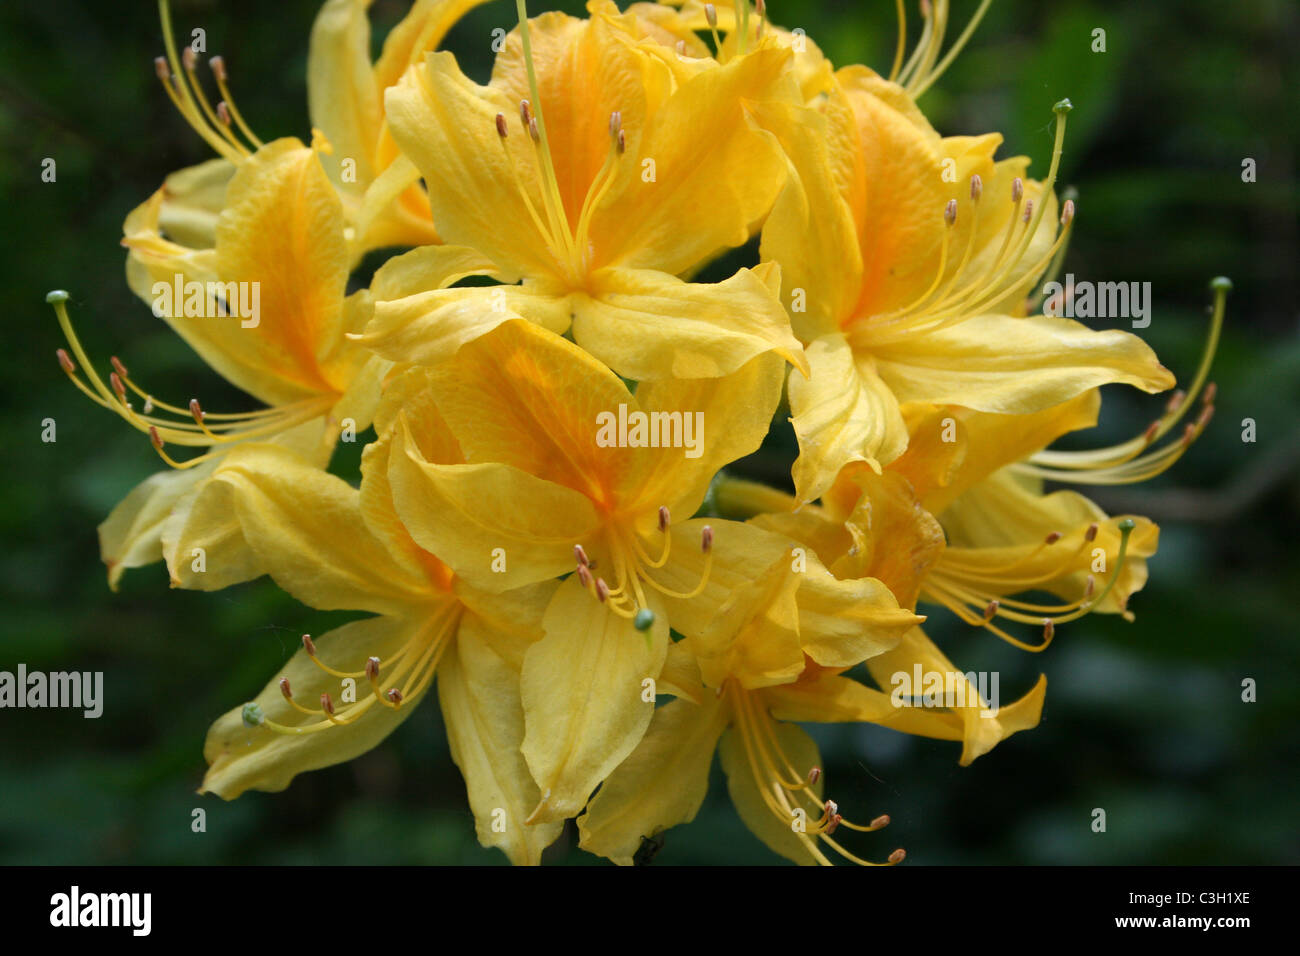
(479, 693)
(662, 783)
(583, 700)
(648, 325)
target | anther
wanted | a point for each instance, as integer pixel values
(223, 113)
(1189, 433)
(1091, 533)
(898, 856)
(533, 130)
(525, 113)
(706, 539)
(196, 410)
(1029, 211)
(580, 555)
(155, 438)
(1207, 397)
(162, 69)
(584, 576)
(833, 824)
(372, 668)
(880, 822)
(148, 405)
(1067, 212)
(950, 212)
(621, 139)
(615, 122)
(285, 689)
(991, 609)
(218, 66)
(1175, 401)
(394, 695)
(832, 808)
(814, 775)
(1090, 587)
(1049, 629)
(118, 367)
(1149, 435)
(308, 645)
(602, 590)
(1054, 537)
(327, 704)
(1017, 189)
(118, 387)
(663, 518)
(644, 619)
(66, 362)
(189, 57)
(1204, 418)
(976, 187)
(711, 15)
(502, 130)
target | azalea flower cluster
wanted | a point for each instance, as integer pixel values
(602, 612)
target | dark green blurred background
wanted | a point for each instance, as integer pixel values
(1143, 719)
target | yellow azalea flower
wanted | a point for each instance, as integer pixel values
(567, 471)
(905, 259)
(383, 201)
(345, 95)
(599, 194)
(873, 526)
(773, 647)
(334, 547)
(265, 306)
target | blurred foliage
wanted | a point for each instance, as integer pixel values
(1143, 719)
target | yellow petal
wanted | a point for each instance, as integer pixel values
(130, 537)
(662, 783)
(842, 413)
(283, 228)
(477, 517)
(446, 125)
(479, 693)
(648, 325)
(307, 528)
(996, 363)
(427, 328)
(422, 29)
(825, 697)
(586, 69)
(244, 758)
(986, 442)
(811, 231)
(342, 95)
(842, 623)
(193, 199)
(582, 694)
(714, 169)
(532, 400)
(979, 728)
(736, 413)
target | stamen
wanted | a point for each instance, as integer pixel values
(1126, 462)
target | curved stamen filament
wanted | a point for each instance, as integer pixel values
(431, 639)
(785, 791)
(1121, 464)
(979, 609)
(193, 430)
(180, 81)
